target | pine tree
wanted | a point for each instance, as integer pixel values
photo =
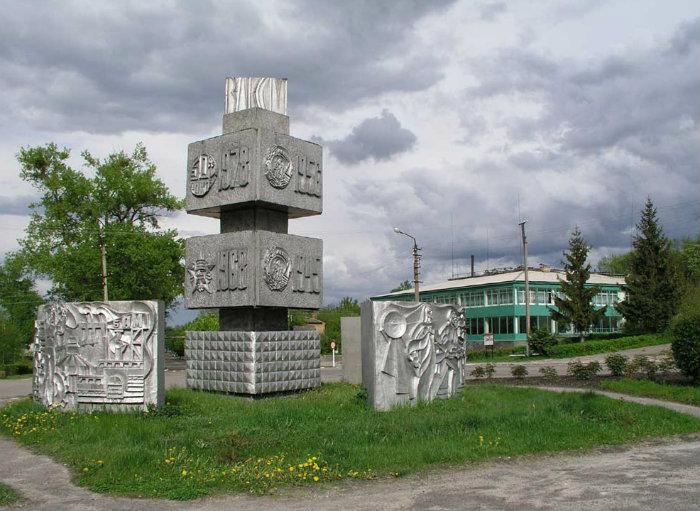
(653, 288)
(576, 307)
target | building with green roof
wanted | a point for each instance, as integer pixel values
(495, 302)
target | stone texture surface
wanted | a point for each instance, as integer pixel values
(244, 92)
(411, 352)
(255, 118)
(99, 355)
(254, 268)
(351, 337)
(254, 167)
(253, 362)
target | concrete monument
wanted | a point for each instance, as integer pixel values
(96, 355)
(411, 352)
(254, 178)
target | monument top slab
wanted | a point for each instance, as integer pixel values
(256, 92)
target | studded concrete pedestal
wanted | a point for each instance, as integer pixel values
(253, 362)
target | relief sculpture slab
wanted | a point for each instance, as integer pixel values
(411, 352)
(95, 355)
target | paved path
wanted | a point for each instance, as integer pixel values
(649, 476)
(560, 364)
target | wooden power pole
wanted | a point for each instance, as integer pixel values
(103, 253)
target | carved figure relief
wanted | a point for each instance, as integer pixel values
(276, 268)
(94, 353)
(419, 350)
(202, 175)
(200, 276)
(278, 167)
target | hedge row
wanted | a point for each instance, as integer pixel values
(606, 346)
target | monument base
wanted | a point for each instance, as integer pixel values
(251, 319)
(253, 363)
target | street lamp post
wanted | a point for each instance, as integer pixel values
(416, 263)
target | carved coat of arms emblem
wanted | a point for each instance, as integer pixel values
(202, 175)
(278, 167)
(276, 268)
(200, 276)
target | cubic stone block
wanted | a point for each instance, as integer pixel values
(253, 269)
(254, 167)
(95, 355)
(411, 352)
(275, 361)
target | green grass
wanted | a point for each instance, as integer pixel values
(681, 393)
(16, 377)
(8, 495)
(571, 350)
(201, 444)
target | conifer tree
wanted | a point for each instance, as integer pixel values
(576, 307)
(653, 288)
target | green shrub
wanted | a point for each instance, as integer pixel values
(518, 371)
(590, 347)
(489, 370)
(541, 341)
(478, 372)
(666, 364)
(685, 330)
(21, 366)
(582, 371)
(549, 373)
(616, 364)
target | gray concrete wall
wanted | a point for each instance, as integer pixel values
(351, 342)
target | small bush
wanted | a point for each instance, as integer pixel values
(666, 364)
(518, 371)
(23, 366)
(685, 330)
(549, 373)
(616, 364)
(648, 367)
(478, 372)
(489, 370)
(582, 371)
(541, 341)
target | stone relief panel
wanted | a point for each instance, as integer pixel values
(411, 352)
(248, 268)
(252, 166)
(256, 92)
(99, 354)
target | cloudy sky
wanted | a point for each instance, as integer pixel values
(451, 120)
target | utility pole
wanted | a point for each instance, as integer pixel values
(416, 263)
(103, 253)
(527, 289)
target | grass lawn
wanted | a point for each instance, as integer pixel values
(681, 393)
(16, 377)
(7, 495)
(570, 350)
(201, 444)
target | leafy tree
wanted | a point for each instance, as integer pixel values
(405, 285)
(118, 207)
(690, 256)
(616, 264)
(18, 303)
(576, 306)
(653, 288)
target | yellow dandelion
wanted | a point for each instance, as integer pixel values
(184, 473)
(316, 478)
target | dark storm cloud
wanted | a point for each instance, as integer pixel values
(610, 133)
(117, 66)
(16, 205)
(379, 138)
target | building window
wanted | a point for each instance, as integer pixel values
(473, 299)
